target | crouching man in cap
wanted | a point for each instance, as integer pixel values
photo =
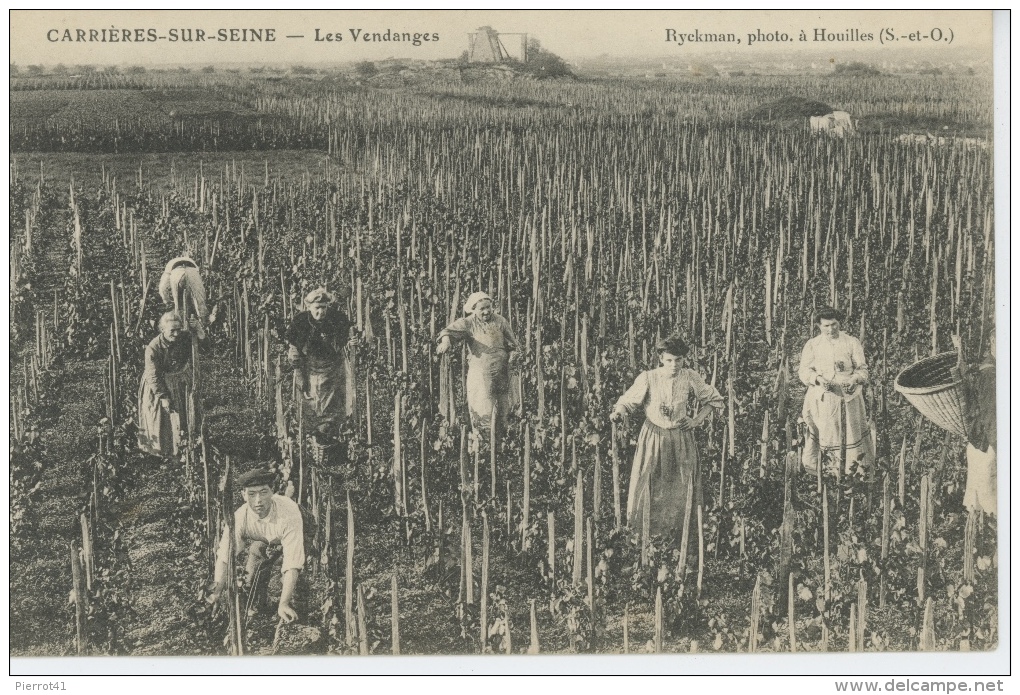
(317, 338)
(268, 526)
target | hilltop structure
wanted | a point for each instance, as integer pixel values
(486, 46)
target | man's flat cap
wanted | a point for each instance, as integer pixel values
(257, 478)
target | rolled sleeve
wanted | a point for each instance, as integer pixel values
(707, 394)
(458, 330)
(510, 341)
(293, 541)
(635, 396)
(860, 362)
(807, 372)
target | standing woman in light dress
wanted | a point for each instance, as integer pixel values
(833, 368)
(665, 481)
(489, 340)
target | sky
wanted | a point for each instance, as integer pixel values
(52, 36)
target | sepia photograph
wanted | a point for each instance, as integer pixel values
(504, 333)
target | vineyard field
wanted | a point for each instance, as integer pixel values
(600, 215)
(163, 171)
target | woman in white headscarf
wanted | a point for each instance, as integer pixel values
(489, 340)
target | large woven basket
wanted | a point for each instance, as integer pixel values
(930, 387)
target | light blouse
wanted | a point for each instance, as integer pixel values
(827, 358)
(666, 399)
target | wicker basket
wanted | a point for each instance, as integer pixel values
(930, 387)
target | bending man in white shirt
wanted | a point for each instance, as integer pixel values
(269, 525)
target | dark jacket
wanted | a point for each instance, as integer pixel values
(162, 358)
(322, 340)
(981, 421)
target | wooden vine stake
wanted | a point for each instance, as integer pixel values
(752, 639)
(368, 409)
(862, 612)
(928, 627)
(969, 543)
(325, 558)
(440, 536)
(464, 482)
(301, 453)
(701, 550)
(685, 535)
(924, 521)
(207, 500)
(362, 620)
(349, 622)
(886, 530)
(492, 451)
(424, 487)
(591, 580)
(236, 617)
(842, 447)
(578, 546)
(534, 647)
(902, 473)
(617, 514)
(924, 518)
(483, 611)
(791, 617)
(819, 462)
(508, 647)
(658, 620)
(80, 639)
(786, 529)
(526, 504)
(825, 541)
(477, 459)
(395, 615)
(646, 533)
(722, 470)
(626, 628)
(764, 445)
(551, 529)
(509, 515)
(399, 479)
(86, 551)
(467, 559)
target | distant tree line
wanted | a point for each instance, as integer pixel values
(856, 68)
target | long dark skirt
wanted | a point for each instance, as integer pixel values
(156, 433)
(665, 483)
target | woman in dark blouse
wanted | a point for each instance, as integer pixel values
(317, 338)
(167, 382)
